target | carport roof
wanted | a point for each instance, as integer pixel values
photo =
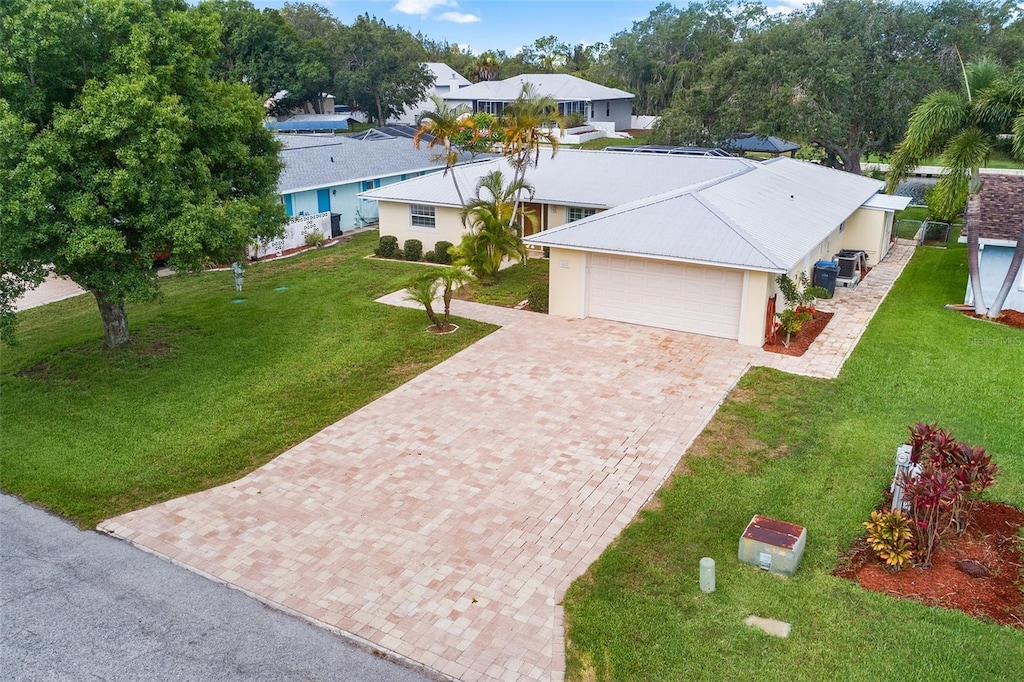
(767, 218)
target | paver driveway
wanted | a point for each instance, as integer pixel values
(444, 521)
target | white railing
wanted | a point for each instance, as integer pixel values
(294, 236)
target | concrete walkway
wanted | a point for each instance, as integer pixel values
(51, 290)
(75, 605)
(444, 521)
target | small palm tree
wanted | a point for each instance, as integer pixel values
(963, 128)
(444, 125)
(425, 289)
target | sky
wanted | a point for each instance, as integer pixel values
(482, 25)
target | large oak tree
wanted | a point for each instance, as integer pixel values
(115, 144)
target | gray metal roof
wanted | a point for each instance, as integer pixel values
(768, 218)
(445, 75)
(560, 86)
(749, 142)
(312, 161)
(593, 179)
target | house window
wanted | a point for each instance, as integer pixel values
(422, 216)
(607, 109)
(490, 107)
(577, 213)
(370, 184)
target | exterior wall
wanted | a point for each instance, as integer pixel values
(354, 211)
(617, 111)
(757, 289)
(566, 280)
(396, 220)
(993, 264)
(868, 230)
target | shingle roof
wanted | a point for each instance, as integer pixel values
(312, 161)
(998, 207)
(593, 179)
(767, 218)
(560, 86)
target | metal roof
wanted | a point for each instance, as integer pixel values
(309, 122)
(888, 202)
(560, 86)
(592, 179)
(446, 75)
(767, 218)
(669, 149)
(312, 161)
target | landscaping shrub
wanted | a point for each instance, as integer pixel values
(388, 247)
(575, 119)
(413, 249)
(315, 238)
(538, 298)
(441, 252)
(547, 251)
(430, 257)
(890, 537)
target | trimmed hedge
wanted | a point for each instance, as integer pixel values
(441, 254)
(388, 247)
(538, 298)
(413, 249)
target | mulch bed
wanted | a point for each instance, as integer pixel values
(991, 542)
(802, 340)
(1011, 318)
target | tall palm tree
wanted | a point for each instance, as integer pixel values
(528, 122)
(443, 125)
(963, 129)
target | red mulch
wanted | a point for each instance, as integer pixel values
(1011, 318)
(801, 341)
(991, 540)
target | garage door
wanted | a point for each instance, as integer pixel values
(664, 294)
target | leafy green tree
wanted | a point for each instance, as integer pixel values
(260, 49)
(141, 153)
(324, 38)
(546, 55)
(385, 70)
(963, 128)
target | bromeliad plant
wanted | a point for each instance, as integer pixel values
(799, 297)
(890, 536)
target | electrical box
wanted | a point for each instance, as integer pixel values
(772, 545)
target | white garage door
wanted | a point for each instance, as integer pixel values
(664, 294)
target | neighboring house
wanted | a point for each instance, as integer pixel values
(326, 173)
(602, 107)
(446, 81)
(998, 209)
(674, 241)
(308, 123)
(749, 143)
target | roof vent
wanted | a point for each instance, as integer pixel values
(332, 159)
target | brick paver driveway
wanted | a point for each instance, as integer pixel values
(444, 521)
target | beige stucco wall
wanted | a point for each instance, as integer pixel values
(756, 290)
(869, 230)
(566, 277)
(395, 219)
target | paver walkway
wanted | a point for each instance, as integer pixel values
(444, 521)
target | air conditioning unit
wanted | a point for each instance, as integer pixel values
(852, 265)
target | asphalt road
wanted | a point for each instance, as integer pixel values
(77, 605)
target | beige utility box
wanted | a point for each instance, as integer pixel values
(773, 545)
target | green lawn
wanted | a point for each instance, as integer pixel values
(999, 159)
(909, 230)
(818, 453)
(211, 389)
(602, 142)
(513, 285)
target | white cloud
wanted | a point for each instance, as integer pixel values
(459, 17)
(421, 7)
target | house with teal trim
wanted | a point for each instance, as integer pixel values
(325, 173)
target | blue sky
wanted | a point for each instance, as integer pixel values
(503, 24)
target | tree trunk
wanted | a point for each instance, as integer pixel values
(380, 109)
(973, 256)
(115, 320)
(1011, 277)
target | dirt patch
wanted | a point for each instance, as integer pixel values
(991, 542)
(803, 339)
(40, 371)
(154, 349)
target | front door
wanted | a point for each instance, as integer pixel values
(539, 215)
(323, 201)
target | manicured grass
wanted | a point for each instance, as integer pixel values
(817, 453)
(998, 159)
(211, 389)
(602, 142)
(513, 285)
(909, 230)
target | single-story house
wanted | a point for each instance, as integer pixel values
(998, 209)
(326, 173)
(602, 107)
(312, 123)
(446, 81)
(691, 243)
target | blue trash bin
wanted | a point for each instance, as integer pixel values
(825, 273)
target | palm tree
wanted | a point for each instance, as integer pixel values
(528, 123)
(444, 125)
(492, 216)
(963, 128)
(423, 290)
